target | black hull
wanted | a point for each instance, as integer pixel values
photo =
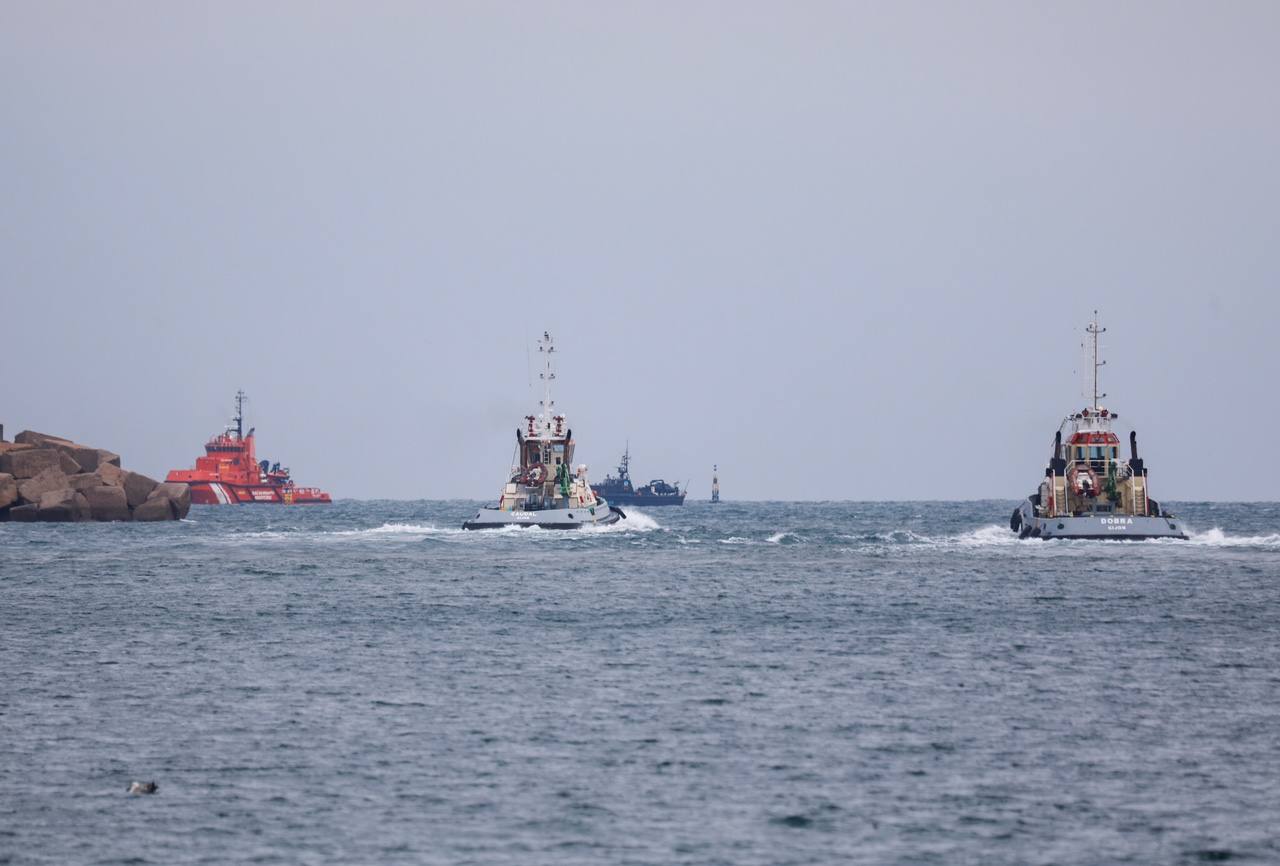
(641, 501)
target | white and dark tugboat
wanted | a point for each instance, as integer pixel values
(1088, 491)
(542, 489)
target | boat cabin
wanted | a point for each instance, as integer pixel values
(542, 477)
(1086, 474)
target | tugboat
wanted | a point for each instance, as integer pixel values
(542, 490)
(230, 472)
(1088, 492)
(715, 483)
(620, 491)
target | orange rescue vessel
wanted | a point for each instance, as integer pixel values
(230, 472)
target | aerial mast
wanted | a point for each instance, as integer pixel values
(1094, 330)
(239, 419)
(547, 346)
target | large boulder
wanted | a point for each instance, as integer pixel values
(68, 463)
(14, 446)
(85, 456)
(29, 462)
(25, 513)
(84, 481)
(62, 506)
(108, 503)
(110, 474)
(138, 487)
(9, 490)
(40, 440)
(160, 508)
(50, 479)
(91, 458)
(179, 495)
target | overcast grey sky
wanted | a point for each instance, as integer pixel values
(844, 250)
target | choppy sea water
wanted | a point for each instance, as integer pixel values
(733, 684)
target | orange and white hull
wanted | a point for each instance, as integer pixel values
(226, 493)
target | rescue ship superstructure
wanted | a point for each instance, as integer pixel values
(542, 490)
(231, 474)
(1088, 491)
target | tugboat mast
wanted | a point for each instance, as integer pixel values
(1094, 330)
(547, 346)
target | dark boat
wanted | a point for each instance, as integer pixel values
(620, 491)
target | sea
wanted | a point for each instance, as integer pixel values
(740, 683)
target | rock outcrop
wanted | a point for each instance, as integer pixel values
(8, 490)
(29, 462)
(45, 477)
(107, 502)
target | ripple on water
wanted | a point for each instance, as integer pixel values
(743, 683)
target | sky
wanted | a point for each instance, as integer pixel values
(843, 250)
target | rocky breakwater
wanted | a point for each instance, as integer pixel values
(45, 477)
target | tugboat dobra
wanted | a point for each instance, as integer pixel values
(542, 490)
(1088, 492)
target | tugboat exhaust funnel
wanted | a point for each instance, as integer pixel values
(1133, 444)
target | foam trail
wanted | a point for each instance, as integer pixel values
(635, 521)
(992, 535)
(785, 538)
(1215, 537)
(399, 529)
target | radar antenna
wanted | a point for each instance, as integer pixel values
(547, 347)
(1094, 330)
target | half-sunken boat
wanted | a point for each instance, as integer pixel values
(542, 490)
(1088, 492)
(230, 472)
(620, 490)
